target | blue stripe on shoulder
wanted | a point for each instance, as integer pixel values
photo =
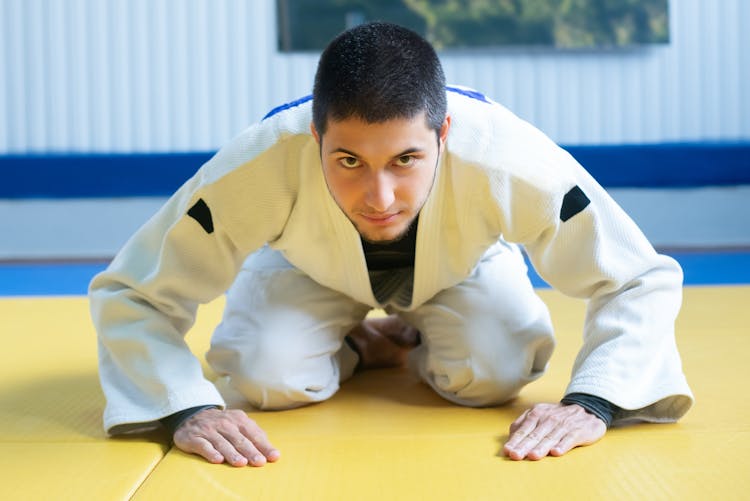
(469, 93)
(465, 92)
(287, 106)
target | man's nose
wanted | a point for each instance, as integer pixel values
(380, 191)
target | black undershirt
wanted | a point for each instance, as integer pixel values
(392, 255)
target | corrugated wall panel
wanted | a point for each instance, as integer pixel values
(177, 75)
(4, 77)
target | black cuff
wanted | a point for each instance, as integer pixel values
(173, 421)
(603, 409)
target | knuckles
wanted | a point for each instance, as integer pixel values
(539, 411)
(555, 420)
(235, 414)
(224, 422)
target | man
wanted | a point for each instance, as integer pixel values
(389, 190)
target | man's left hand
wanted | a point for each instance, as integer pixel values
(552, 429)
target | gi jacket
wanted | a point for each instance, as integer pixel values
(498, 178)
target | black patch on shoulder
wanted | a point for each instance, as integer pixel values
(201, 213)
(574, 202)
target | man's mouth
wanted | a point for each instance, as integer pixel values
(380, 219)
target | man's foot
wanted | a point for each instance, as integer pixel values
(383, 342)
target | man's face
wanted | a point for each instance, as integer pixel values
(380, 174)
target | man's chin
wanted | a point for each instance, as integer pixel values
(381, 241)
(383, 236)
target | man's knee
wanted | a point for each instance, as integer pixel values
(474, 388)
(281, 390)
(482, 381)
(273, 377)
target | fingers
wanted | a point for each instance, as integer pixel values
(541, 448)
(552, 429)
(526, 432)
(229, 436)
(228, 448)
(563, 445)
(260, 449)
(202, 447)
(519, 420)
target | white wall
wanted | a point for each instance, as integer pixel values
(186, 75)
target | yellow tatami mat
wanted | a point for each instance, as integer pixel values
(384, 436)
(52, 445)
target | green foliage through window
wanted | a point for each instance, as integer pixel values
(310, 24)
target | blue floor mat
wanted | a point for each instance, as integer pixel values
(47, 279)
(701, 268)
(65, 279)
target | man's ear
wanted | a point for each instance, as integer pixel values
(444, 129)
(314, 132)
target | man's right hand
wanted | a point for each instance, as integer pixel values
(227, 435)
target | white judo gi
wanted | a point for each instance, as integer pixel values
(500, 183)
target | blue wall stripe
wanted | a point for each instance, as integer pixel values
(32, 279)
(96, 176)
(678, 165)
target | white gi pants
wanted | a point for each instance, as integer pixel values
(280, 341)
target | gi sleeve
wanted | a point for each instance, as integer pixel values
(188, 253)
(146, 300)
(587, 247)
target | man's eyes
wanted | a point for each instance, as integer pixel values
(349, 162)
(353, 162)
(405, 160)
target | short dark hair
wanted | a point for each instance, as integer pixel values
(377, 72)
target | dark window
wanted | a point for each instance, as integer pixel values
(308, 25)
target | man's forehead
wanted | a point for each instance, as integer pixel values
(360, 120)
(389, 137)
